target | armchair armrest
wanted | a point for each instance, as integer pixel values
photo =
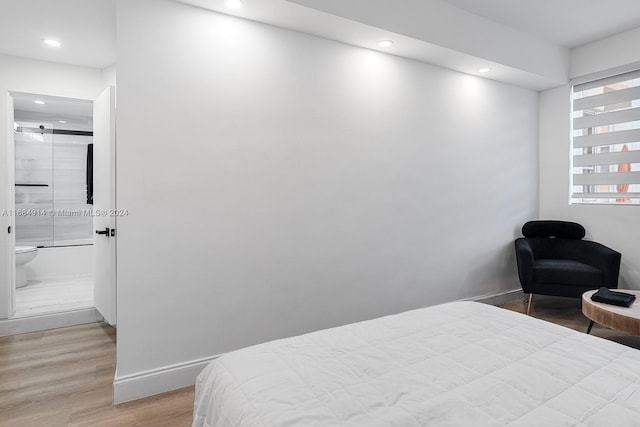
(524, 258)
(605, 259)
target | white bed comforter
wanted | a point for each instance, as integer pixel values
(457, 364)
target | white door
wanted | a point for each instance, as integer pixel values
(104, 203)
(7, 283)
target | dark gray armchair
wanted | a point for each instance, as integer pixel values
(554, 260)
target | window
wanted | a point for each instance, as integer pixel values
(606, 141)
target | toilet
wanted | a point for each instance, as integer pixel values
(24, 254)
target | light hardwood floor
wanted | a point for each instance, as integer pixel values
(63, 377)
(568, 312)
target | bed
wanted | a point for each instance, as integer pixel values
(456, 364)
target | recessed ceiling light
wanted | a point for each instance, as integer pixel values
(484, 70)
(52, 43)
(233, 4)
(63, 121)
(37, 101)
(385, 43)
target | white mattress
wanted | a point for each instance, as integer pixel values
(457, 364)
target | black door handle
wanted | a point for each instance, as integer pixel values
(106, 232)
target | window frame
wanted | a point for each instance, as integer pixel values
(605, 123)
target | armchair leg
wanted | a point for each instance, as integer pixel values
(529, 304)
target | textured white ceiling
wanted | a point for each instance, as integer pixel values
(568, 23)
(86, 29)
(54, 106)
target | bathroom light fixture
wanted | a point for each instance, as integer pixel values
(484, 70)
(52, 43)
(385, 43)
(37, 101)
(233, 4)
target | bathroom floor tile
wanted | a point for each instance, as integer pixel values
(54, 295)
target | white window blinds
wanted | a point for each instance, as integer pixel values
(606, 140)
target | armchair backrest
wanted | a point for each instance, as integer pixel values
(558, 248)
(555, 239)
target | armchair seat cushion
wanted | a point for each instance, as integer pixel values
(567, 272)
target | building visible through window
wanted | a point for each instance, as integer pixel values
(606, 141)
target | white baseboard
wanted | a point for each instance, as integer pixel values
(41, 322)
(498, 298)
(144, 384)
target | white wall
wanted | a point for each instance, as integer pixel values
(24, 75)
(279, 183)
(614, 226)
(109, 76)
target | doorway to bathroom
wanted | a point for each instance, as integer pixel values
(53, 144)
(54, 209)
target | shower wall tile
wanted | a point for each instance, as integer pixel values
(34, 155)
(70, 190)
(34, 165)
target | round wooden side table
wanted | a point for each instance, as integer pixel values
(624, 319)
